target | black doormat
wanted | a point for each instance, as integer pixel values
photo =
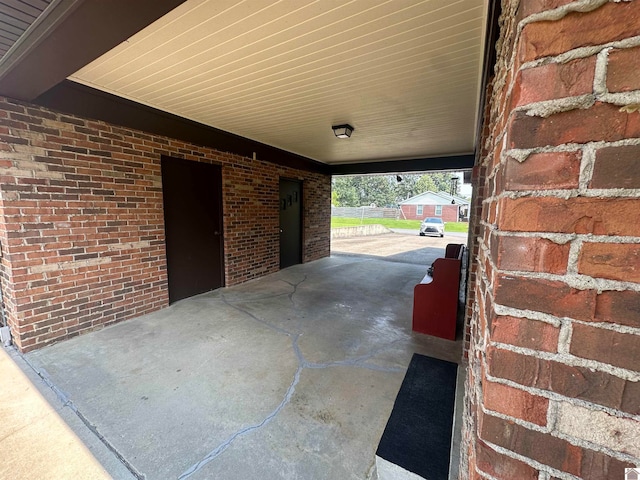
(418, 434)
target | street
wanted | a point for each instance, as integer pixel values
(404, 246)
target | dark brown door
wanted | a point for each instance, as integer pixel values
(290, 223)
(192, 195)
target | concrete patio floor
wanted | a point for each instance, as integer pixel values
(292, 376)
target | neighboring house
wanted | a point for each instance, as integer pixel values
(430, 204)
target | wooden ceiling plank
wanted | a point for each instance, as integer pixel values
(22, 6)
(205, 62)
(17, 23)
(7, 27)
(263, 80)
(9, 35)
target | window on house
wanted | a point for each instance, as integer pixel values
(439, 210)
(419, 211)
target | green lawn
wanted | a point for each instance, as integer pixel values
(337, 222)
(456, 227)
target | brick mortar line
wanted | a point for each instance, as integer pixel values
(532, 463)
(546, 108)
(630, 193)
(614, 327)
(557, 397)
(576, 280)
(572, 361)
(573, 260)
(582, 52)
(564, 337)
(552, 414)
(563, 323)
(530, 314)
(555, 14)
(587, 164)
(564, 238)
(519, 421)
(601, 71)
(484, 475)
(485, 249)
(521, 154)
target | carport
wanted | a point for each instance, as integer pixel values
(100, 100)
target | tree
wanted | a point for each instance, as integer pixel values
(426, 183)
(344, 193)
(385, 190)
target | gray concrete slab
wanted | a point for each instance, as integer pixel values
(291, 376)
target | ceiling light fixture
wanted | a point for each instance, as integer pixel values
(342, 131)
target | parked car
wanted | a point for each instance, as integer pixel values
(432, 225)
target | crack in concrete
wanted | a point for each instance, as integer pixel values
(295, 288)
(359, 362)
(224, 445)
(67, 402)
(260, 320)
(352, 362)
(254, 317)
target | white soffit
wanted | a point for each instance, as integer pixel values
(405, 73)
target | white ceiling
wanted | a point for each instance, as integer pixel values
(405, 73)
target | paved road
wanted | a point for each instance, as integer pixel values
(405, 231)
(397, 247)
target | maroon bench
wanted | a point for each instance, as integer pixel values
(435, 298)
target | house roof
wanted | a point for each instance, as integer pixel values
(458, 200)
(406, 74)
(433, 198)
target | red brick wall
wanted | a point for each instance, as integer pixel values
(82, 227)
(553, 385)
(449, 212)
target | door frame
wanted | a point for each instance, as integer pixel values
(301, 219)
(219, 206)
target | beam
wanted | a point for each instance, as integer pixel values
(86, 102)
(454, 162)
(69, 35)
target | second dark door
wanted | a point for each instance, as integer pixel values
(192, 193)
(290, 223)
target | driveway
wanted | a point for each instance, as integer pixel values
(404, 246)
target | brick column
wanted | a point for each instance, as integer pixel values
(553, 389)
